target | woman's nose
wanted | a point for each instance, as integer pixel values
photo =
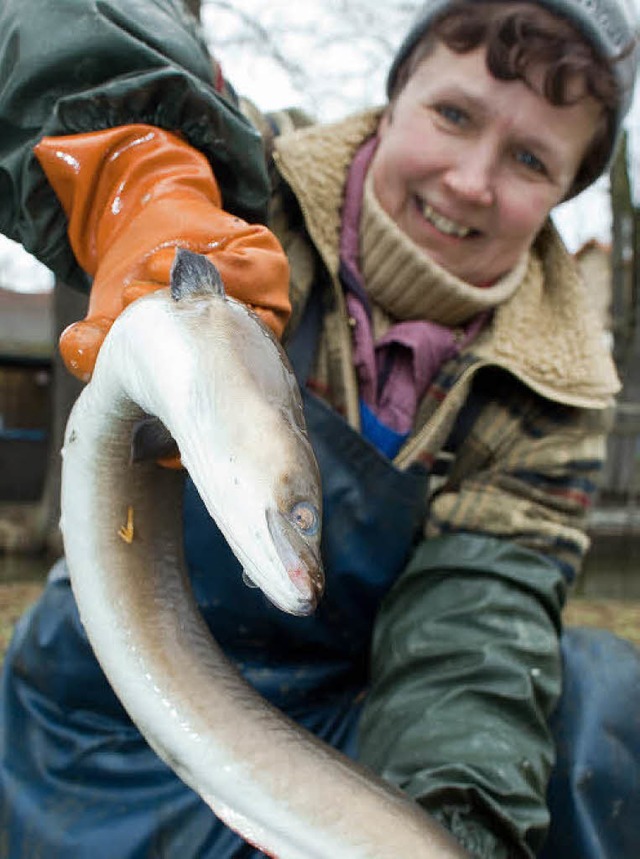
(471, 175)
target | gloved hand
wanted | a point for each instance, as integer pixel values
(131, 195)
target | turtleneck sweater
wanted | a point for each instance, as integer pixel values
(408, 315)
(407, 284)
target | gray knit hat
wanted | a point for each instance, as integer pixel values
(610, 25)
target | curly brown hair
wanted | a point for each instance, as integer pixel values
(521, 39)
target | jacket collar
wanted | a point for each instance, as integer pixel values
(547, 333)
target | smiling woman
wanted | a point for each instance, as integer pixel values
(456, 389)
(469, 167)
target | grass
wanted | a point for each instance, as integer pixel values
(620, 616)
(14, 599)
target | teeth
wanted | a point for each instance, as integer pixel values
(444, 224)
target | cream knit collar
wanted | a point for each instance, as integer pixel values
(408, 285)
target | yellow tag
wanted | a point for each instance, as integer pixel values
(126, 531)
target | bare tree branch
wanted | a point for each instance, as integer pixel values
(333, 55)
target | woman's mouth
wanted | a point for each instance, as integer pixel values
(444, 224)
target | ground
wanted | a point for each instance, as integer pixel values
(14, 599)
(619, 616)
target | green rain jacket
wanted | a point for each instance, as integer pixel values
(465, 658)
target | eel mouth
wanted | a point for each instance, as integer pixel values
(301, 561)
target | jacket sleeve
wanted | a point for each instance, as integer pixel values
(465, 673)
(77, 66)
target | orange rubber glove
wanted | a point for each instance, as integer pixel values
(131, 195)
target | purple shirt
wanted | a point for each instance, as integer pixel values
(394, 372)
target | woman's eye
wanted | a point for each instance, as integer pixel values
(305, 517)
(452, 114)
(529, 160)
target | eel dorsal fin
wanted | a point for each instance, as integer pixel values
(194, 274)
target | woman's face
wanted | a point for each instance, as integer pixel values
(469, 166)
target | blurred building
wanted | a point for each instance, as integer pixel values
(26, 347)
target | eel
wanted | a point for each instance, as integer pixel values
(192, 365)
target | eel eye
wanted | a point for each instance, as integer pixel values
(305, 517)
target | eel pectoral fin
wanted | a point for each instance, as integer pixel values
(152, 440)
